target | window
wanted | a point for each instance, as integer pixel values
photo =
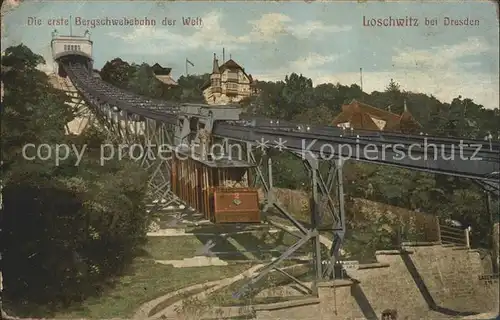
(232, 76)
(65, 48)
(215, 82)
(78, 48)
(232, 86)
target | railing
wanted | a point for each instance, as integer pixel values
(454, 235)
(232, 88)
(417, 227)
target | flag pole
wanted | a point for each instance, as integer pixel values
(70, 26)
(186, 67)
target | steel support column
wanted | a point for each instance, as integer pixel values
(326, 214)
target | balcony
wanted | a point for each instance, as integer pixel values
(232, 89)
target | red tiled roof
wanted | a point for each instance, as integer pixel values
(360, 116)
(408, 122)
(230, 64)
(160, 71)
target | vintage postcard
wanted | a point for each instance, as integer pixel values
(250, 160)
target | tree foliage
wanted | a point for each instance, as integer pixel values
(297, 99)
(66, 229)
(141, 80)
(93, 217)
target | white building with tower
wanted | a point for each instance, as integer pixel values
(70, 46)
(79, 48)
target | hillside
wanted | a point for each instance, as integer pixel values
(297, 99)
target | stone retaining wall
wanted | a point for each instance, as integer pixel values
(445, 275)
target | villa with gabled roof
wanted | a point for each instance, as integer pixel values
(228, 83)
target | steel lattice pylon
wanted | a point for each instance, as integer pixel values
(152, 134)
(326, 215)
(132, 119)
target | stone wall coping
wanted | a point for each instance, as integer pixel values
(336, 283)
(393, 252)
(373, 265)
(421, 243)
(286, 304)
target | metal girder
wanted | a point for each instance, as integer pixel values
(127, 129)
(466, 158)
(393, 137)
(160, 125)
(327, 214)
(490, 187)
(469, 161)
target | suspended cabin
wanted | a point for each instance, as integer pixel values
(219, 189)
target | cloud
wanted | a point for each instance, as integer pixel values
(7, 7)
(272, 25)
(437, 71)
(440, 71)
(267, 28)
(154, 40)
(311, 62)
(482, 88)
(308, 65)
(442, 57)
(316, 28)
(211, 35)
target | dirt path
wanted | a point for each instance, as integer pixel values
(170, 311)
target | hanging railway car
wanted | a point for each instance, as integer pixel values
(219, 189)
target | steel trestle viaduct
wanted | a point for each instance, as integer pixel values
(131, 118)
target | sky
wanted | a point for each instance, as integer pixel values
(326, 41)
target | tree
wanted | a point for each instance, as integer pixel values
(190, 88)
(140, 79)
(392, 87)
(318, 115)
(268, 102)
(297, 96)
(66, 229)
(396, 98)
(116, 72)
(297, 99)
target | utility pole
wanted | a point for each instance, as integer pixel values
(361, 78)
(70, 26)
